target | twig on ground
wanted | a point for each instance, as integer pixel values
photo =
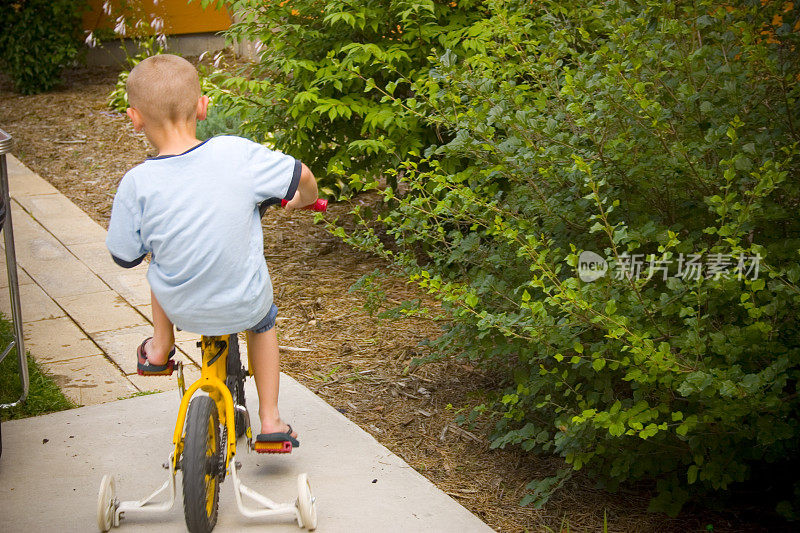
(466, 433)
(409, 395)
(295, 349)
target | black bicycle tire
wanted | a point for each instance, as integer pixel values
(197, 464)
(237, 373)
(240, 421)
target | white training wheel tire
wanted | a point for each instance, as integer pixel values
(106, 503)
(306, 503)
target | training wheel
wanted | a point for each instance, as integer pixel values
(306, 503)
(106, 503)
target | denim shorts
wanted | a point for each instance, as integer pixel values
(266, 323)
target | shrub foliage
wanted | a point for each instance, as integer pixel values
(320, 66)
(661, 136)
(39, 38)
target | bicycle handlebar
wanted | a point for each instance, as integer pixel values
(320, 205)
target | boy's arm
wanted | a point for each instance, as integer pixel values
(306, 193)
(124, 239)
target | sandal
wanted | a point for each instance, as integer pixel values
(145, 368)
(276, 442)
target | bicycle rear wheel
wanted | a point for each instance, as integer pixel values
(200, 464)
(235, 383)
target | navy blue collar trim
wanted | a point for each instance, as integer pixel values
(177, 155)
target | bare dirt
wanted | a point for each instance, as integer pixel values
(359, 364)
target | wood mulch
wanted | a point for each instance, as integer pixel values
(359, 364)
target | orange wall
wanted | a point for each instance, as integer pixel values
(179, 16)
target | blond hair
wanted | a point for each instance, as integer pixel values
(164, 88)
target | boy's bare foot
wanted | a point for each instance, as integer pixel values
(156, 355)
(275, 426)
(275, 437)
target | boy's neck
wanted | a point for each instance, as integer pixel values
(173, 139)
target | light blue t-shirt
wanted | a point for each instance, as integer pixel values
(197, 214)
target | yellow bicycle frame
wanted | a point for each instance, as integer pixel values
(212, 380)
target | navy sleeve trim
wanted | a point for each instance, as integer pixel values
(127, 264)
(298, 169)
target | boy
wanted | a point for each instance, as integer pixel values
(194, 207)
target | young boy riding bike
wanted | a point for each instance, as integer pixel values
(195, 209)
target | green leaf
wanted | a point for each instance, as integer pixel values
(616, 429)
(471, 299)
(691, 474)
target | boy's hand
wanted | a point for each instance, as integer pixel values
(320, 205)
(294, 203)
(306, 193)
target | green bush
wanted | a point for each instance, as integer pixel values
(640, 131)
(39, 39)
(319, 89)
(665, 134)
(220, 121)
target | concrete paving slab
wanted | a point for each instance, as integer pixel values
(130, 284)
(57, 339)
(22, 277)
(180, 336)
(55, 269)
(52, 466)
(22, 180)
(36, 305)
(189, 350)
(96, 256)
(146, 310)
(64, 219)
(89, 380)
(101, 311)
(120, 345)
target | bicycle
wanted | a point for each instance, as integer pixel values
(202, 449)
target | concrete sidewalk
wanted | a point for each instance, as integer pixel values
(51, 468)
(83, 318)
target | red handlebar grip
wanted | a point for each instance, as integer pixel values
(320, 205)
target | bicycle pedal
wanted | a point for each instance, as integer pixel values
(272, 447)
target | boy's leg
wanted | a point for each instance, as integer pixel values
(163, 340)
(264, 355)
